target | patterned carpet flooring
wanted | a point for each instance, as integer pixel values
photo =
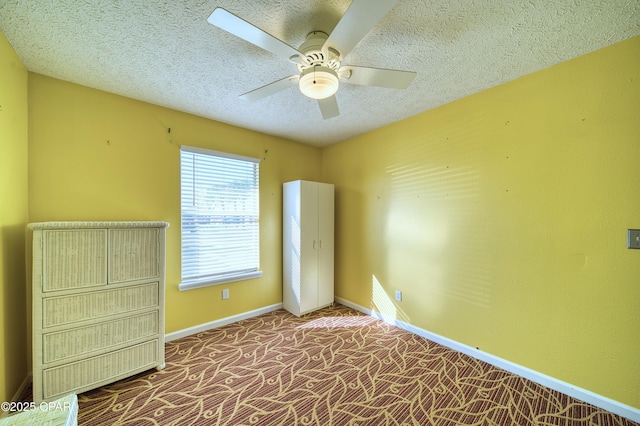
(332, 367)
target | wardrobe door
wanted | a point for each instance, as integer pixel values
(309, 247)
(326, 244)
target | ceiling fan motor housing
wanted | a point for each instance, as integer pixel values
(315, 55)
(318, 68)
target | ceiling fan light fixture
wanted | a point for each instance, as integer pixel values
(318, 82)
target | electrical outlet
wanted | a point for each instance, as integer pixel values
(398, 296)
(225, 293)
(633, 239)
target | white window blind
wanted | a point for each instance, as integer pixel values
(220, 217)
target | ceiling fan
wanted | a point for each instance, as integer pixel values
(319, 58)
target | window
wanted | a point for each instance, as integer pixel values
(220, 217)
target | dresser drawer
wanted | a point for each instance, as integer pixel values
(133, 254)
(98, 337)
(96, 371)
(86, 306)
(74, 259)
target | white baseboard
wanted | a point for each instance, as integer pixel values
(219, 323)
(587, 396)
(25, 384)
(16, 396)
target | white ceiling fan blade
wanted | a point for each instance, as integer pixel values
(237, 26)
(271, 88)
(329, 107)
(365, 76)
(358, 20)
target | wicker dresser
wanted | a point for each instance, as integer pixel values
(98, 303)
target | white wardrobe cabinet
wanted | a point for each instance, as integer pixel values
(308, 246)
(98, 303)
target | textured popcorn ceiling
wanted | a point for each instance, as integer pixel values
(164, 52)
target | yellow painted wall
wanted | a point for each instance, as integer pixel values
(13, 219)
(502, 218)
(99, 156)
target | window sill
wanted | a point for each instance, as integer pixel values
(190, 285)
